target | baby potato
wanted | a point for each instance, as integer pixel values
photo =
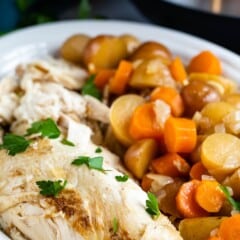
(216, 111)
(198, 228)
(151, 73)
(139, 155)
(220, 154)
(150, 50)
(120, 116)
(197, 94)
(233, 99)
(223, 85)
(104, 51)
(72, 49)
(131, 42)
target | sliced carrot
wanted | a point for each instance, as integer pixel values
(180, 135)
(171, 97)
(103, 77)
(186, 203)
(177, 70)
(119, 82)
(171, 164)
(230, 228)
(146, 183)
(144, 124)
(209, 196)
(197, 170)
(205, 62)
(214, 238)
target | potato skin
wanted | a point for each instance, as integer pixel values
(197, 94)
(198, 228)
(104, 51)
(72, 49)
(150, 50)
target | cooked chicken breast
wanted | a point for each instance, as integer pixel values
(88, 205)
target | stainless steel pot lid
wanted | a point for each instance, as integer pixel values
(222, 7)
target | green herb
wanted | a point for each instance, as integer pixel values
(115, 225)
(98, 150)
(89, 88)
(235, 204)
(84, 10)
(14, 144)
(92, 163)
(123, 178)
(67, 142)
(47, 128)
(51, 188)
(152, 205)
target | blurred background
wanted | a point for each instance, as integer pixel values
(214, 20)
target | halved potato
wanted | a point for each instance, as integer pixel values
(220, 154)
(120, 116)
(139, 155)
(151, 73)
(198, 228)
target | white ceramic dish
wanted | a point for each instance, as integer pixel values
(40, 41)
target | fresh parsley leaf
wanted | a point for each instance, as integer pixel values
(235, 204)
(67, 142)
(92, 163)
(115, 225)
(98, 150)
(84, 10)
(47, 128)
(123, 178)
(152, 205)
(89, 88)
(51, 188)
(14, 144)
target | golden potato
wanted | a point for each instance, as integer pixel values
(139, 155)
(220, 154)
(233, 181)
(233, 99)
(120, 115)
(131, 42)
(104, 51)
(151, 73)
(72, 49)
(149, 50)
(198, 228)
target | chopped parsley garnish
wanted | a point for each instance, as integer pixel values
(47, 128)
(51, 188)
(123, 178)
(115, 225)
(14, 144)
(98, 150)
(152, 205)
(67, 142)
(235, 204)
(89, 88)
(92, 162)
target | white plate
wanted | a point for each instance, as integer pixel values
(39, 41)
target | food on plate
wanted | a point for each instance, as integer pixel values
(105, 141)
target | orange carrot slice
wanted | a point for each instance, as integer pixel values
(180, 135)
(177, 70)
(103, 77)
(230, 228)
(171, 97)
(197, 170)
(186, 203)
(119, 82)
(209, 196)
(144, 123)
(205, 62)
(171, 164)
